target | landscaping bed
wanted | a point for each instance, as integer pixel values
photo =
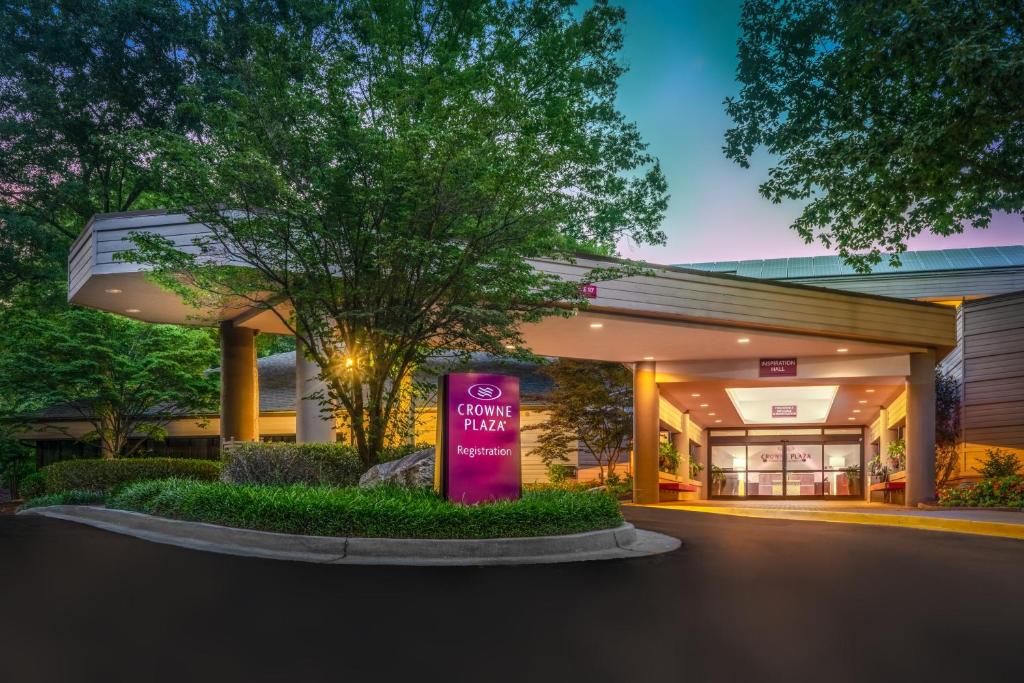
(1001, 492)
(379, 512)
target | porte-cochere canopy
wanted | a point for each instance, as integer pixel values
(695, 340)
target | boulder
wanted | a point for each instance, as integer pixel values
(415, 469)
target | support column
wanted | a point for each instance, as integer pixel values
(681, 442)
(920, 432)
(312, 425)
(646, 423)
(705, 474)
(239, 384)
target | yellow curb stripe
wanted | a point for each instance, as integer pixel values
(959, 526)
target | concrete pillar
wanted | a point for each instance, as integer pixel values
(239, 384)
(646, 427)
(920, 432)
(311, 424)
(705, 474)
(681, 442)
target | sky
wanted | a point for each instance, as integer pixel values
(681, 56)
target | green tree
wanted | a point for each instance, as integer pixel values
(389, 166)
(124, 378)
(591, 405)
(948, 436)
(888, 119)
(85, 86)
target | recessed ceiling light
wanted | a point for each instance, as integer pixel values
(856, 410)
(743, 340)
(703, 405)
(648, 357)
(596, 325)
(869, 391)
(695, 395)
(851, 418)
(842, 350)
(132, 310)
(711, 414)
(717, 421)
(862, 401)
(112, 290)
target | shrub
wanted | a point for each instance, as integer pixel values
(107, 475)
(32, 485)
(389, 453)
(66, 498)
(281, 464)
(559, 473)
(998, 464)
(377, 512)
(996, 492)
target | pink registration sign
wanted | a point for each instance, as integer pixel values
(480, 452)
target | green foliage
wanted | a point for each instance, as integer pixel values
(289, 463)
(32, 485)
(377, 512)
(668, 457)
(389, 453)
(66, 498)
(999, 464)
(591, 404)
(559, 473)
(886, 119)
(620, 487)
(17, 461)
(85, 88)
(108, 475)
(121, 376)
(1004, 491)
(393, 166)
(695, 468)
(948, 435)
(897, 453)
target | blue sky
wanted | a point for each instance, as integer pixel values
(682, 60)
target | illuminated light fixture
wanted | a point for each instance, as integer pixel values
(112, 290)
(350, 362)
(510, 347)
(596, 326)
(717, 421)
(754, 404)
(862, 401)
(711, 414)
(842, 350)
(648, 357)
(132, 310)
(743, 340)
(695, 395)
(869, 391)
(703, 405)
(851, 418)
(856, 410)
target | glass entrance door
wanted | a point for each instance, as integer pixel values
(784, 469)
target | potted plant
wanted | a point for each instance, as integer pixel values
(897, 453)
(695, 468)
(853, 477)
(717, 479)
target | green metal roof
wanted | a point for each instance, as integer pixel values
(912, 262)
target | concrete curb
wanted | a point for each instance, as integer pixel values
(959, 526)
(607, 544)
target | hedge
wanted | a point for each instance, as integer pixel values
(377, 512)
(277, 463)
(108, 475)
(66, 498)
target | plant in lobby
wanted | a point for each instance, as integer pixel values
(591, 405)
(695, 468)
(717, 479)
(853, 476)
(668, 457)
(391, 167)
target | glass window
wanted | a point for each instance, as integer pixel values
(732, 458)
(783, 432)
(764, 457)
(803, 457)
(803, 483)
(764, 484)
(839, 456)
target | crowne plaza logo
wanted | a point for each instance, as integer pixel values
(484, 392)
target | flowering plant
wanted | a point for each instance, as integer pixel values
(998, 492)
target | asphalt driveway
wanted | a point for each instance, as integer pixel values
(768, 600)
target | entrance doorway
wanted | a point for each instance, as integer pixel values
(797, 463)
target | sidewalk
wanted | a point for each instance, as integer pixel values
(1000, 523)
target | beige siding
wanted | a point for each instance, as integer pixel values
(993, 358)
(897, 410)
(703, 297)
